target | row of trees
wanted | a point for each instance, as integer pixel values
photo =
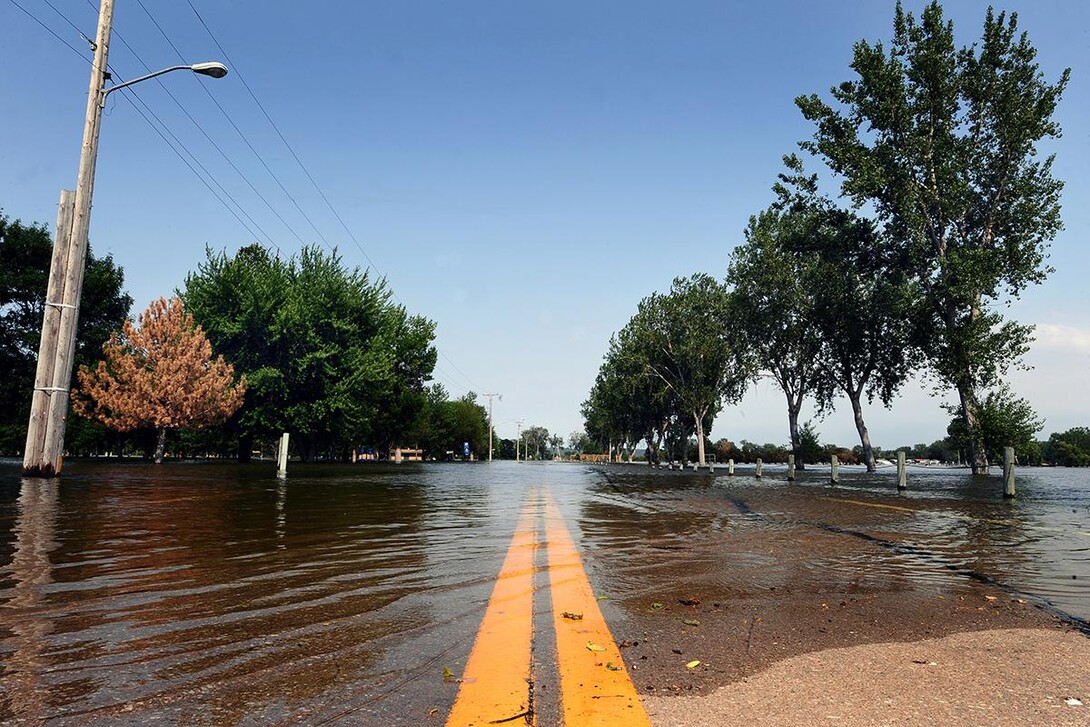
(938, 144)
(303, 345)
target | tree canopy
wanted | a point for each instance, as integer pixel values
(837, 291)
(773, 304)
(942, 143)
(326, 354)
(159, 374)
(669, 370)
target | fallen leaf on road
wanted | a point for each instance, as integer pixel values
(612, 667)
(691, 622)
(572, 616)
(689, 601)
(693, 664)
(595, 647)
(448, 675)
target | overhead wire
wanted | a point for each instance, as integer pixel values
(52, 32)
(82, 56)
(132, 94)
(208, 179)
(212, 141)
(306, 172)
(287, 145)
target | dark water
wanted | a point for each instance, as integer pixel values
(216, 594)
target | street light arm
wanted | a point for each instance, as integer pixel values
(215, 70)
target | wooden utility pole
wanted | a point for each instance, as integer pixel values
(49, 406)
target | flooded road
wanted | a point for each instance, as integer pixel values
(216, 594)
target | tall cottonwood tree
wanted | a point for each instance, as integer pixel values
(686, 341)
(943, 143)
(861, 302)
(159, 374)
(773, 303)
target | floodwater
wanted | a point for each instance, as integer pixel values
(218, 594)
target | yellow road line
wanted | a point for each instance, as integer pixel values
(496, 683)
(594, 684)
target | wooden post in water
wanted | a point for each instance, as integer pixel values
(836, 469)
(759, 465)
(790, 468)
(1008, 472)
(730, 468)
(902, 474)
(282, 456)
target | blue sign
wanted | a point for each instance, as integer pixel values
(465, 448)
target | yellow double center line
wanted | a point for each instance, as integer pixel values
(595, 688)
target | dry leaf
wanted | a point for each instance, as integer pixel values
(572, 616)
(595, 647)
(693, 664)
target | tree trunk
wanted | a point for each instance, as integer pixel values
(970, 409)
(160, 445)
(699, 419)
(794, 405)
(245, 448)
(861, 427)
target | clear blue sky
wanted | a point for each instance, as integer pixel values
(522, 173)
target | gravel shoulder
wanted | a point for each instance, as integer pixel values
(1034, 676)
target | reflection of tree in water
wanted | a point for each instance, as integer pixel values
(194, 592)
(26, 693)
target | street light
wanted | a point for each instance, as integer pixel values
(49, 406)
(210, 68)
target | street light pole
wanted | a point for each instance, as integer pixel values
(490, 423)
(49, 404)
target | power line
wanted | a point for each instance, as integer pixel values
(289, 147)
(201, 128)
(51, 31)
(303, 167)
(208, 179)
(145, 116)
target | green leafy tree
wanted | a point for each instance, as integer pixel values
(810, 449)
(773, 304)
(325, 354)
(25, 256)
(686, 340)
(861, 301)
(1005, 420)
(942, 142)
(536, 440)
(1068, 449)
(464, 420)
(626, 403)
